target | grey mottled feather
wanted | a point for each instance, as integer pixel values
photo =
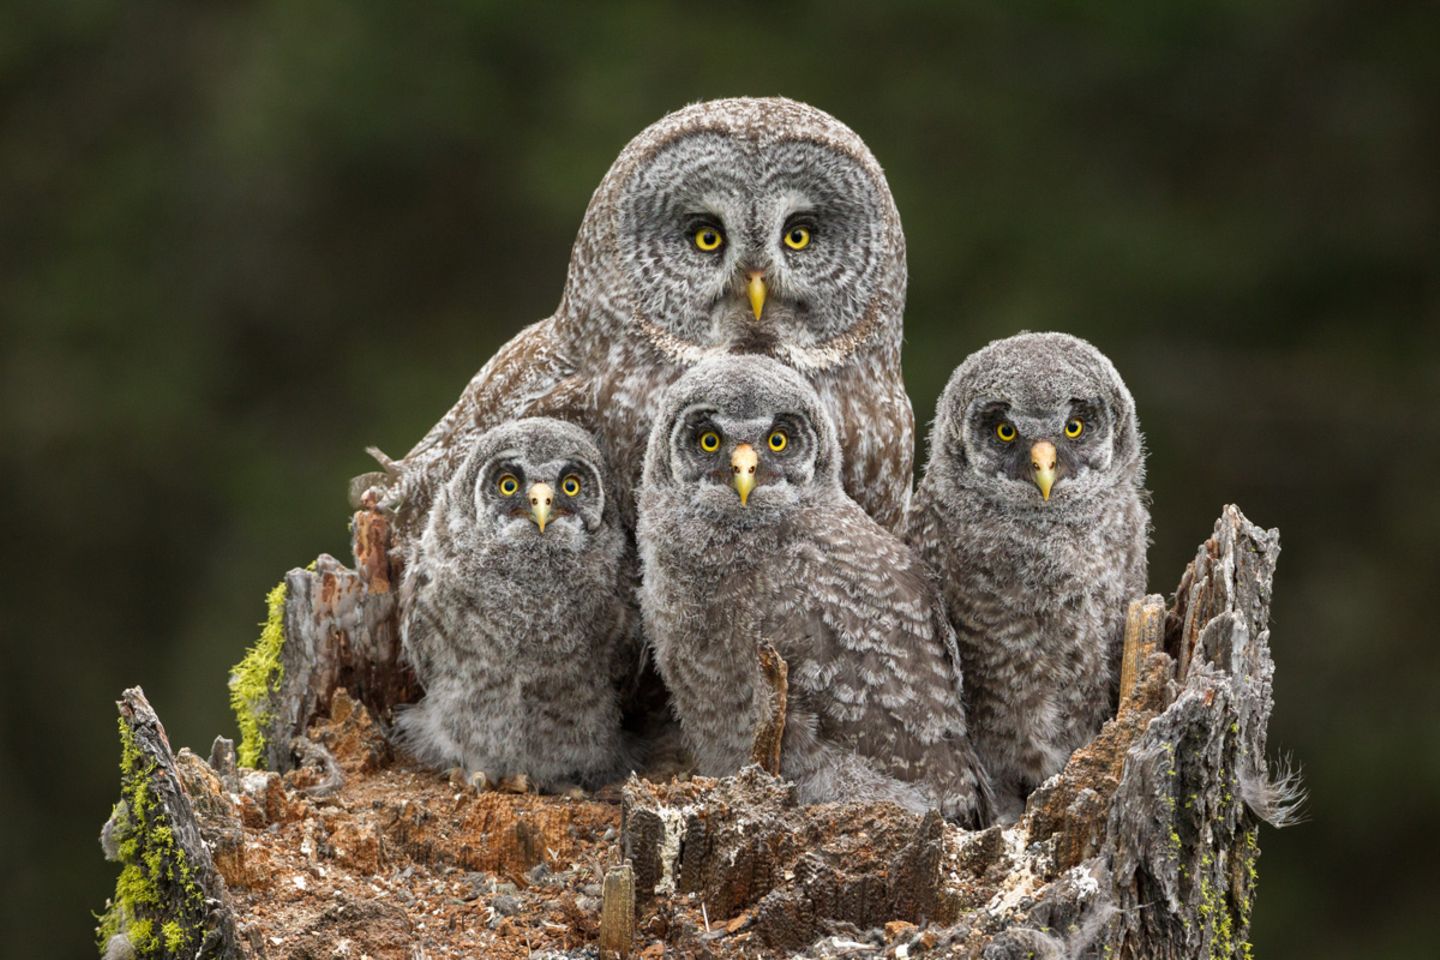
(641, 305)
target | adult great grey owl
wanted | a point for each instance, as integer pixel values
(746, 534)
(1032, 513)
(742, 225)
(512, 612)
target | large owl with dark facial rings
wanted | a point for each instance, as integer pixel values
(1032, 513)
(513, 613)
(730, 226)
(747, 536)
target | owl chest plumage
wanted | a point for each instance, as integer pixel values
(1038, 610)
(709, 602)
(518, 617)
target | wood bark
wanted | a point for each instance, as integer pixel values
(341, 631)
(1143, 847)
(617, 913)
(171, 901)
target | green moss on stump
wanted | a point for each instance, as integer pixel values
(158, 905)
(255, 678)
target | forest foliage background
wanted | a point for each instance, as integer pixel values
(240, 241)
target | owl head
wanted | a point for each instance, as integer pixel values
(1037, 422)
(746, 438)
(744, 225)
(534, 482)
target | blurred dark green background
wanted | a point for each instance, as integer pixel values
(240, 241)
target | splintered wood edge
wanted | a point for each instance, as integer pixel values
(1144, 631)
(370, 543)
(768, 735)
(617, 912)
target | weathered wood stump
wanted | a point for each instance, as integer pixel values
(340, 632)
(169, 900)
(1143, 847)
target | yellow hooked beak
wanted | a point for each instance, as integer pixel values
(755, 290)
(541, 497)
(1042, 461)
(742, 463)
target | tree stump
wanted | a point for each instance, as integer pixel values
(1143, 847)
(169, 900)
(340, 631)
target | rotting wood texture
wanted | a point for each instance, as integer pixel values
(1144, 847)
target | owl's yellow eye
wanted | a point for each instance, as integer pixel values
(797, 238)
(570, 485)
(709, 441)
(709, 239)
(1074, 427)
(509, 485)
(778, 440)
(1005, 430)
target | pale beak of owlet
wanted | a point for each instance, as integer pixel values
(541, 497)
(1042, 461)
(755, 290)
(742, 464)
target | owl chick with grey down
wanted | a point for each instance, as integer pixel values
(1033, 514)
(513, 610)
(745, 535)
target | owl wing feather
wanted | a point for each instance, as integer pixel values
(422, 728)
(871, 653)
(527, 377)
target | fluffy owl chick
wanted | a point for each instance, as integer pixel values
(512, 612)
(746, 534)
(1032, 513)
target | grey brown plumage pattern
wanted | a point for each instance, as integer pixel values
(642, 302)
(1037, 590)
(518, 635)
(874, 682)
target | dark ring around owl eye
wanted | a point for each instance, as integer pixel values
(509, 485)
(709, 441)
(1005, 430)
(570, 486)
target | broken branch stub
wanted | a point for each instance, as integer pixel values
(617, 913)
(170, 902)
(340, 630)
(770, 733)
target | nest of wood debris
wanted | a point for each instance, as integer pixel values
(1144, 846)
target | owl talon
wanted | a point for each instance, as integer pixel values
(515, 783)
(479, 781)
